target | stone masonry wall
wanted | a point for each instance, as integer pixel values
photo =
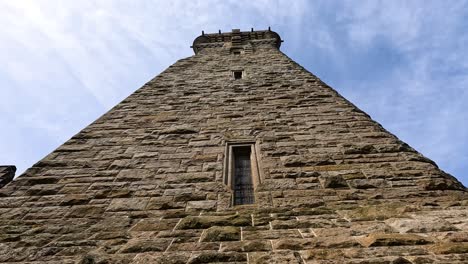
(144, 183)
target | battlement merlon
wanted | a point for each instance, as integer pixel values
(236, 41)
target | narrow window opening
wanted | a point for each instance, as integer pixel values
(237, 75)
(236, 52)
(243, 184)
(242, 171)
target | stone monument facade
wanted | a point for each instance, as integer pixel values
(236, 154)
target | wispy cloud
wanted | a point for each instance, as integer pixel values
(65, 63)
(423, 96)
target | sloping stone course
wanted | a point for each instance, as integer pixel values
(144, 183)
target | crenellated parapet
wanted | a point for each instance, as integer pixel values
(236, 41)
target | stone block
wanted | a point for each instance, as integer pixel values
(368, 183)
(163, 258)
(201, 205)
(449, 248)
(420, 225)
(309, 243)
(43, 189)
(197, 222)
(181, 236)
(128, 204)
(246, 246)
(332, 254)
(221, 233)
(164, 203)
(217, 257)
(333, 181)
(277, 184)
(86, 211)
(133, 174)
(142, 245)
(301, 223)
(377, 212)
(393, 239)
(297, 202)
(193, 246)
(270, 234)
(182, 129)
(76, 199)
(274, 257)
(154, 225)
(189, 196)
(194, 177)
(359, 149)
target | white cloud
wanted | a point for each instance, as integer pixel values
(66, 62)
(422, 100)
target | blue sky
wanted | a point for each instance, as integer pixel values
(65, 63)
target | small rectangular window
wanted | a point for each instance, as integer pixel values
(241, 171)
(243, 184)
(237, 75)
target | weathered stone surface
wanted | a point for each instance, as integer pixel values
(82, 211)
(137, 245)
(76, 199)
(128, 204)
(394, 239)
(154, 225)
(449, 248)
(246, 246)
(197, 222)
(165, 258)
(336, 255)
(217, 257)
(368, 183)
(421, 225)
(333, 181)
(221, 233)
(192, 246)
(300, 244)
(271, 234)
(184, 129)
(455, 237)
(377, 212)
(275, 184)
(163, 203)
(305, 223)
(101, 257)
(146, 182)
(298, 202)
(201, 205)
(274, 258)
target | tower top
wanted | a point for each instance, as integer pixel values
(236, 40)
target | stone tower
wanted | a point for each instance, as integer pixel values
(239, 155)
